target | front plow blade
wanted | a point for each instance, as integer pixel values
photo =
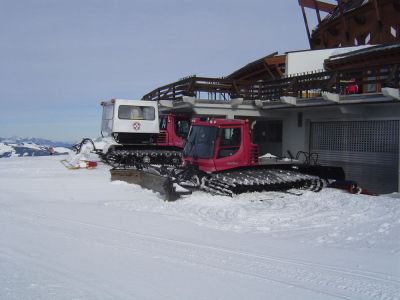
(158, 183)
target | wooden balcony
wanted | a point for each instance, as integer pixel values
(342, 82)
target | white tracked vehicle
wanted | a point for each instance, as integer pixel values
(136, 135)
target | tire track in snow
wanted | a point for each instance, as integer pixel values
(182, 256)
(58, 286)
(345, 283)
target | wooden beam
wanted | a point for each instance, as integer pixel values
(252, 74)
(269, 71)
(317, 10)
(397, 31)
(276, 60)
(378, 15)
(315, 4)
(279, 71)
(306, 24)
(344, 22)
(378, 18)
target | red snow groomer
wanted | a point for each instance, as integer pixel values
(220, 158)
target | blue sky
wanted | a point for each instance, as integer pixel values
(59, 59)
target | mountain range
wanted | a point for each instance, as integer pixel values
(17, 146)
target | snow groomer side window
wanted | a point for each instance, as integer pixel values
(130, 112)
(108, 111)
(229, 143)
(182, 127)
(107, 122)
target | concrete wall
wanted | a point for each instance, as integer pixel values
(294, 138)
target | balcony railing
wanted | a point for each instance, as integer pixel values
(352, 81)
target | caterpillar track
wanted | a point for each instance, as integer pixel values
(137, 158)
(165, 180)
(244, 181)
(241, 181)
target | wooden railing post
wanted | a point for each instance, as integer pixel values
(396, 76)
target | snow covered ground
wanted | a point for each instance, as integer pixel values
(75, 235)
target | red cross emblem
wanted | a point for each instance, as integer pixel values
(136, 126)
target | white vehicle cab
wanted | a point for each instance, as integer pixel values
(130, 130)
(124, 119)
(128, 122)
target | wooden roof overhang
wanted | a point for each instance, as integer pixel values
(371, 56)
(267, 68)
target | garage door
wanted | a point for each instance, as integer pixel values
(368, 151)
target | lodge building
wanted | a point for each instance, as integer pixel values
(337, 103)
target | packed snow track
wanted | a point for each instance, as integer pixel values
(76, 235)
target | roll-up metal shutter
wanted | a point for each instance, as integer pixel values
(368, 151)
